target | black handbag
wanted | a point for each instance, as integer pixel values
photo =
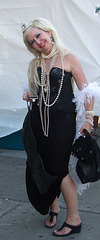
(87, 151)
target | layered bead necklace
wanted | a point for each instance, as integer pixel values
(45, 89)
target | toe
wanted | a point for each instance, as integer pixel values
(50, 224)
(62, 232)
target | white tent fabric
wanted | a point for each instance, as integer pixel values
(78, 26)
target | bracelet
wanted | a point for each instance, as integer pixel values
(89, 121)
(89, 113)
(89, 117)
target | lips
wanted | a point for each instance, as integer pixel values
(43, 44)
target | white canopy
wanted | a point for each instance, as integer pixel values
(77, 24)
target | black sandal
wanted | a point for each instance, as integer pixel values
(74, 229)
(52, 214)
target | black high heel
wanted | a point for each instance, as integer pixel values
(74, 229)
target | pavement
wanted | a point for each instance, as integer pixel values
(20, 221)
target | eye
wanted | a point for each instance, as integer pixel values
(38, 35)
(31, 43)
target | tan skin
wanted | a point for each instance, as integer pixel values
(41, 41)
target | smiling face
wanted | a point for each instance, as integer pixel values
(40, 40)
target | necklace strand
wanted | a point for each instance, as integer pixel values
(59, 91)
(46, 96)
(51, 54)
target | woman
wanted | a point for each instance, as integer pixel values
(53, 121)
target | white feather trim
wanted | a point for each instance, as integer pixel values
(92, 90)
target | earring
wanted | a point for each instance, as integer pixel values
(52, 40)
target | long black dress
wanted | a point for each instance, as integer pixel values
(48, 157)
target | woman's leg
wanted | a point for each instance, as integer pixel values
(53, 208)
(68, 190)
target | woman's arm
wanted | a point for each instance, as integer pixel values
(81, 81)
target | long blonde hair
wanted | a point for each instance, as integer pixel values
(45, 25)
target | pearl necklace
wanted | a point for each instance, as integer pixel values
(59, 91)
(46, 96)
(51, 54)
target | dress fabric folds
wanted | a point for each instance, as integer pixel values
(48, 157)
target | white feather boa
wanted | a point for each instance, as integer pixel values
(80, 98)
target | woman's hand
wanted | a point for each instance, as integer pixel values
(86, 126)
(26, 96)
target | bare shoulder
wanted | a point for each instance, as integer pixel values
(71, 58)
(71, 61)
(76, 69)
